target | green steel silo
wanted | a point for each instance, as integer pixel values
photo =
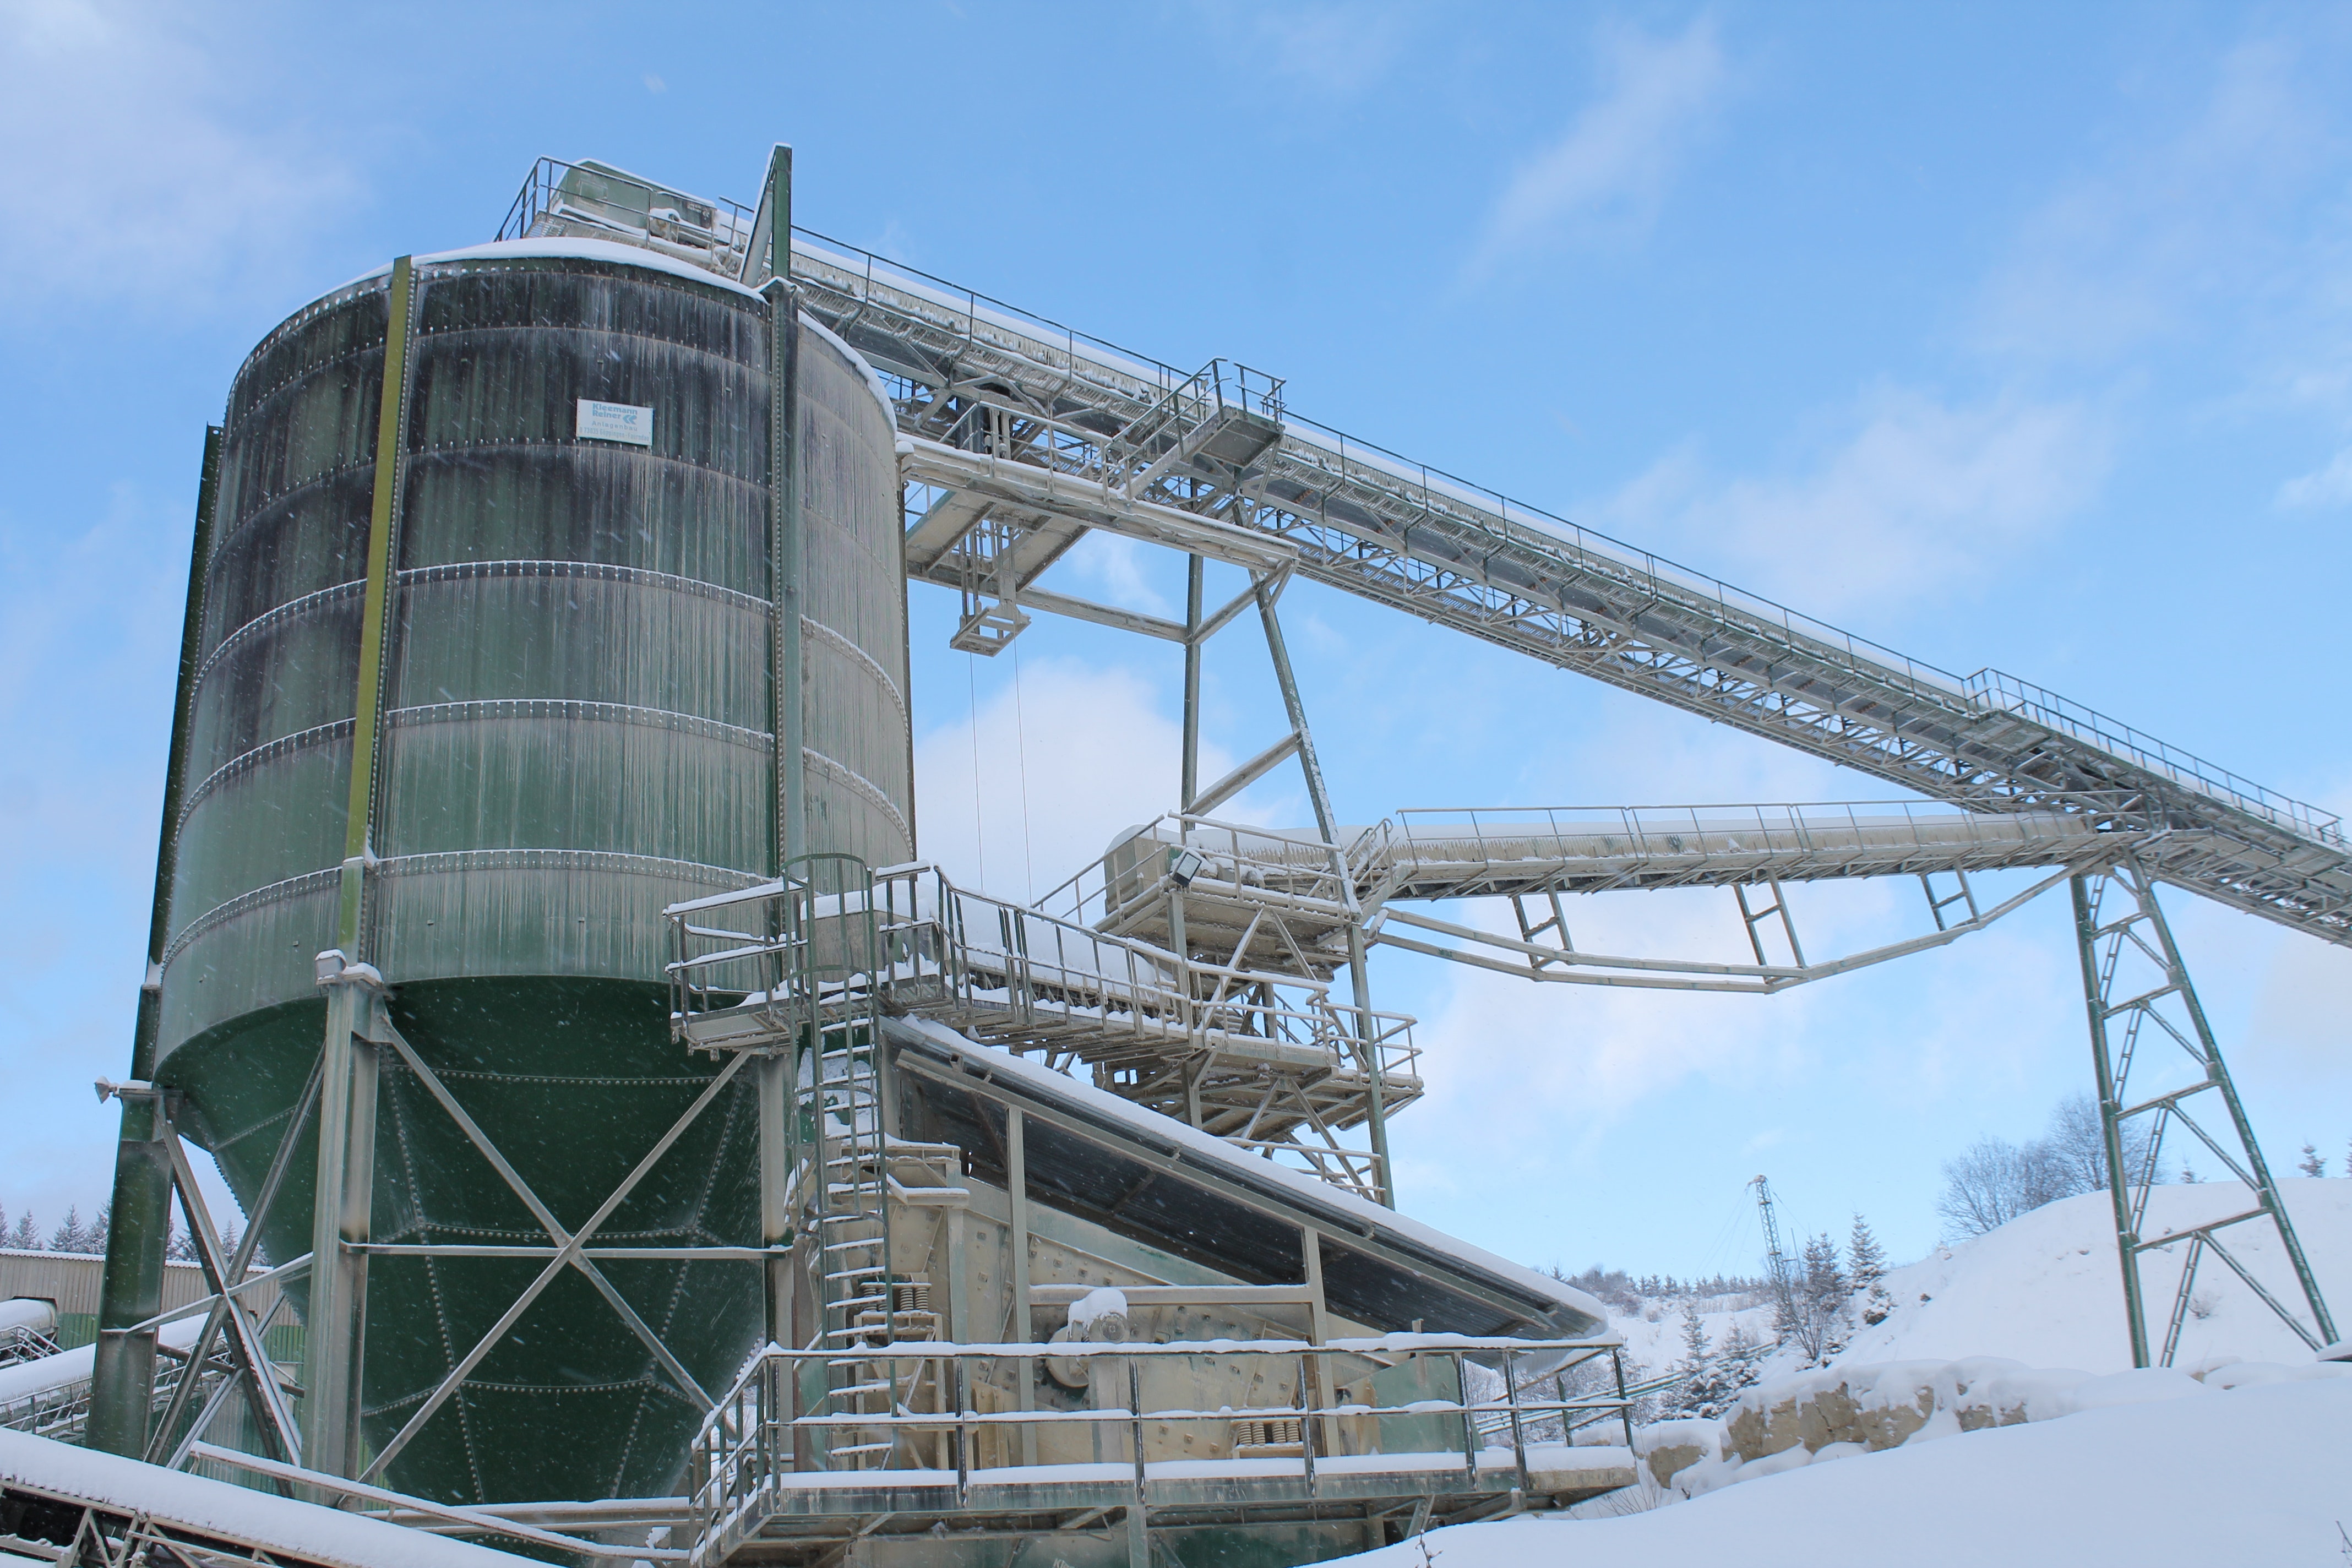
(578, 726)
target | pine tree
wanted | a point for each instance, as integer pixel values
(94, 1236)
(2312, 1164)
(1823, 1296)
(1868, 1261)
(1738, 1364)
(1694, 1335)
(70, 1236)
(25, 1238)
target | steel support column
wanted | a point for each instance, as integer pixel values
(343, 1201)
(1359, 978)
(2137, 989)
(122, 1376)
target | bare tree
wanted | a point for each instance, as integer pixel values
(1995, 1180)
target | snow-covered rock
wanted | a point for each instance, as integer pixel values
(2252, 1474)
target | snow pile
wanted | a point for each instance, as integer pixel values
(1833, 1412)
(2044, 1290)
(2253, 1474)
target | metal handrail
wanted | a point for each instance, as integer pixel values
(756, 1434)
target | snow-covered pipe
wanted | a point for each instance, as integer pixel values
(30, 1313)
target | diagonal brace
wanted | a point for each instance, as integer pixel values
(546, 1218)
(261, 1381)
(556, 1265)
(278, 1163)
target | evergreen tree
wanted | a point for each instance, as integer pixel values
(1737, 1363)
(1868, 1261)
(1822, 1295)
(1694, 1335)
(2312, 1164)
(94, 1236)
(70, 1236)
(25, 1238)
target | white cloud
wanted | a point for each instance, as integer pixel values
(1608, 172)
(2206, 214)
(1065, 760)
(1920, 496)
(133, 169)
(1114, 568)
(1341, 49)
(2327, 487)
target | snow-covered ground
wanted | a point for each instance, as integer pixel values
(2214, 1479)
(2151, 1468)
(2044, 1290)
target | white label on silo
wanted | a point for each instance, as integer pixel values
(615, 422)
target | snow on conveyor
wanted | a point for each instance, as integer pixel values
(294, 1529)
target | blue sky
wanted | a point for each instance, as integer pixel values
(2003, 335)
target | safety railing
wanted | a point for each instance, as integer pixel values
(1180, 852)
(970, 957)
(1994, 691)
(561, 199)
(948, 1420)
(61, 1410)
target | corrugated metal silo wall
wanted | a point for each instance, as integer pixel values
(578, 732)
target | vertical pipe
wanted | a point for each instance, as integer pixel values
(1191, 776)
(786, 550)
(122, 1380)
(1017, 1188)
(2087, 943)
(344, 1193)
(774, 1087)
(375, 615)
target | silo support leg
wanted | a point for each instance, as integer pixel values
(123, 1382)
(335, 1326)
(168, 1437)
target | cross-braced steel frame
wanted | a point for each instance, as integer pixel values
(2139, 994)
